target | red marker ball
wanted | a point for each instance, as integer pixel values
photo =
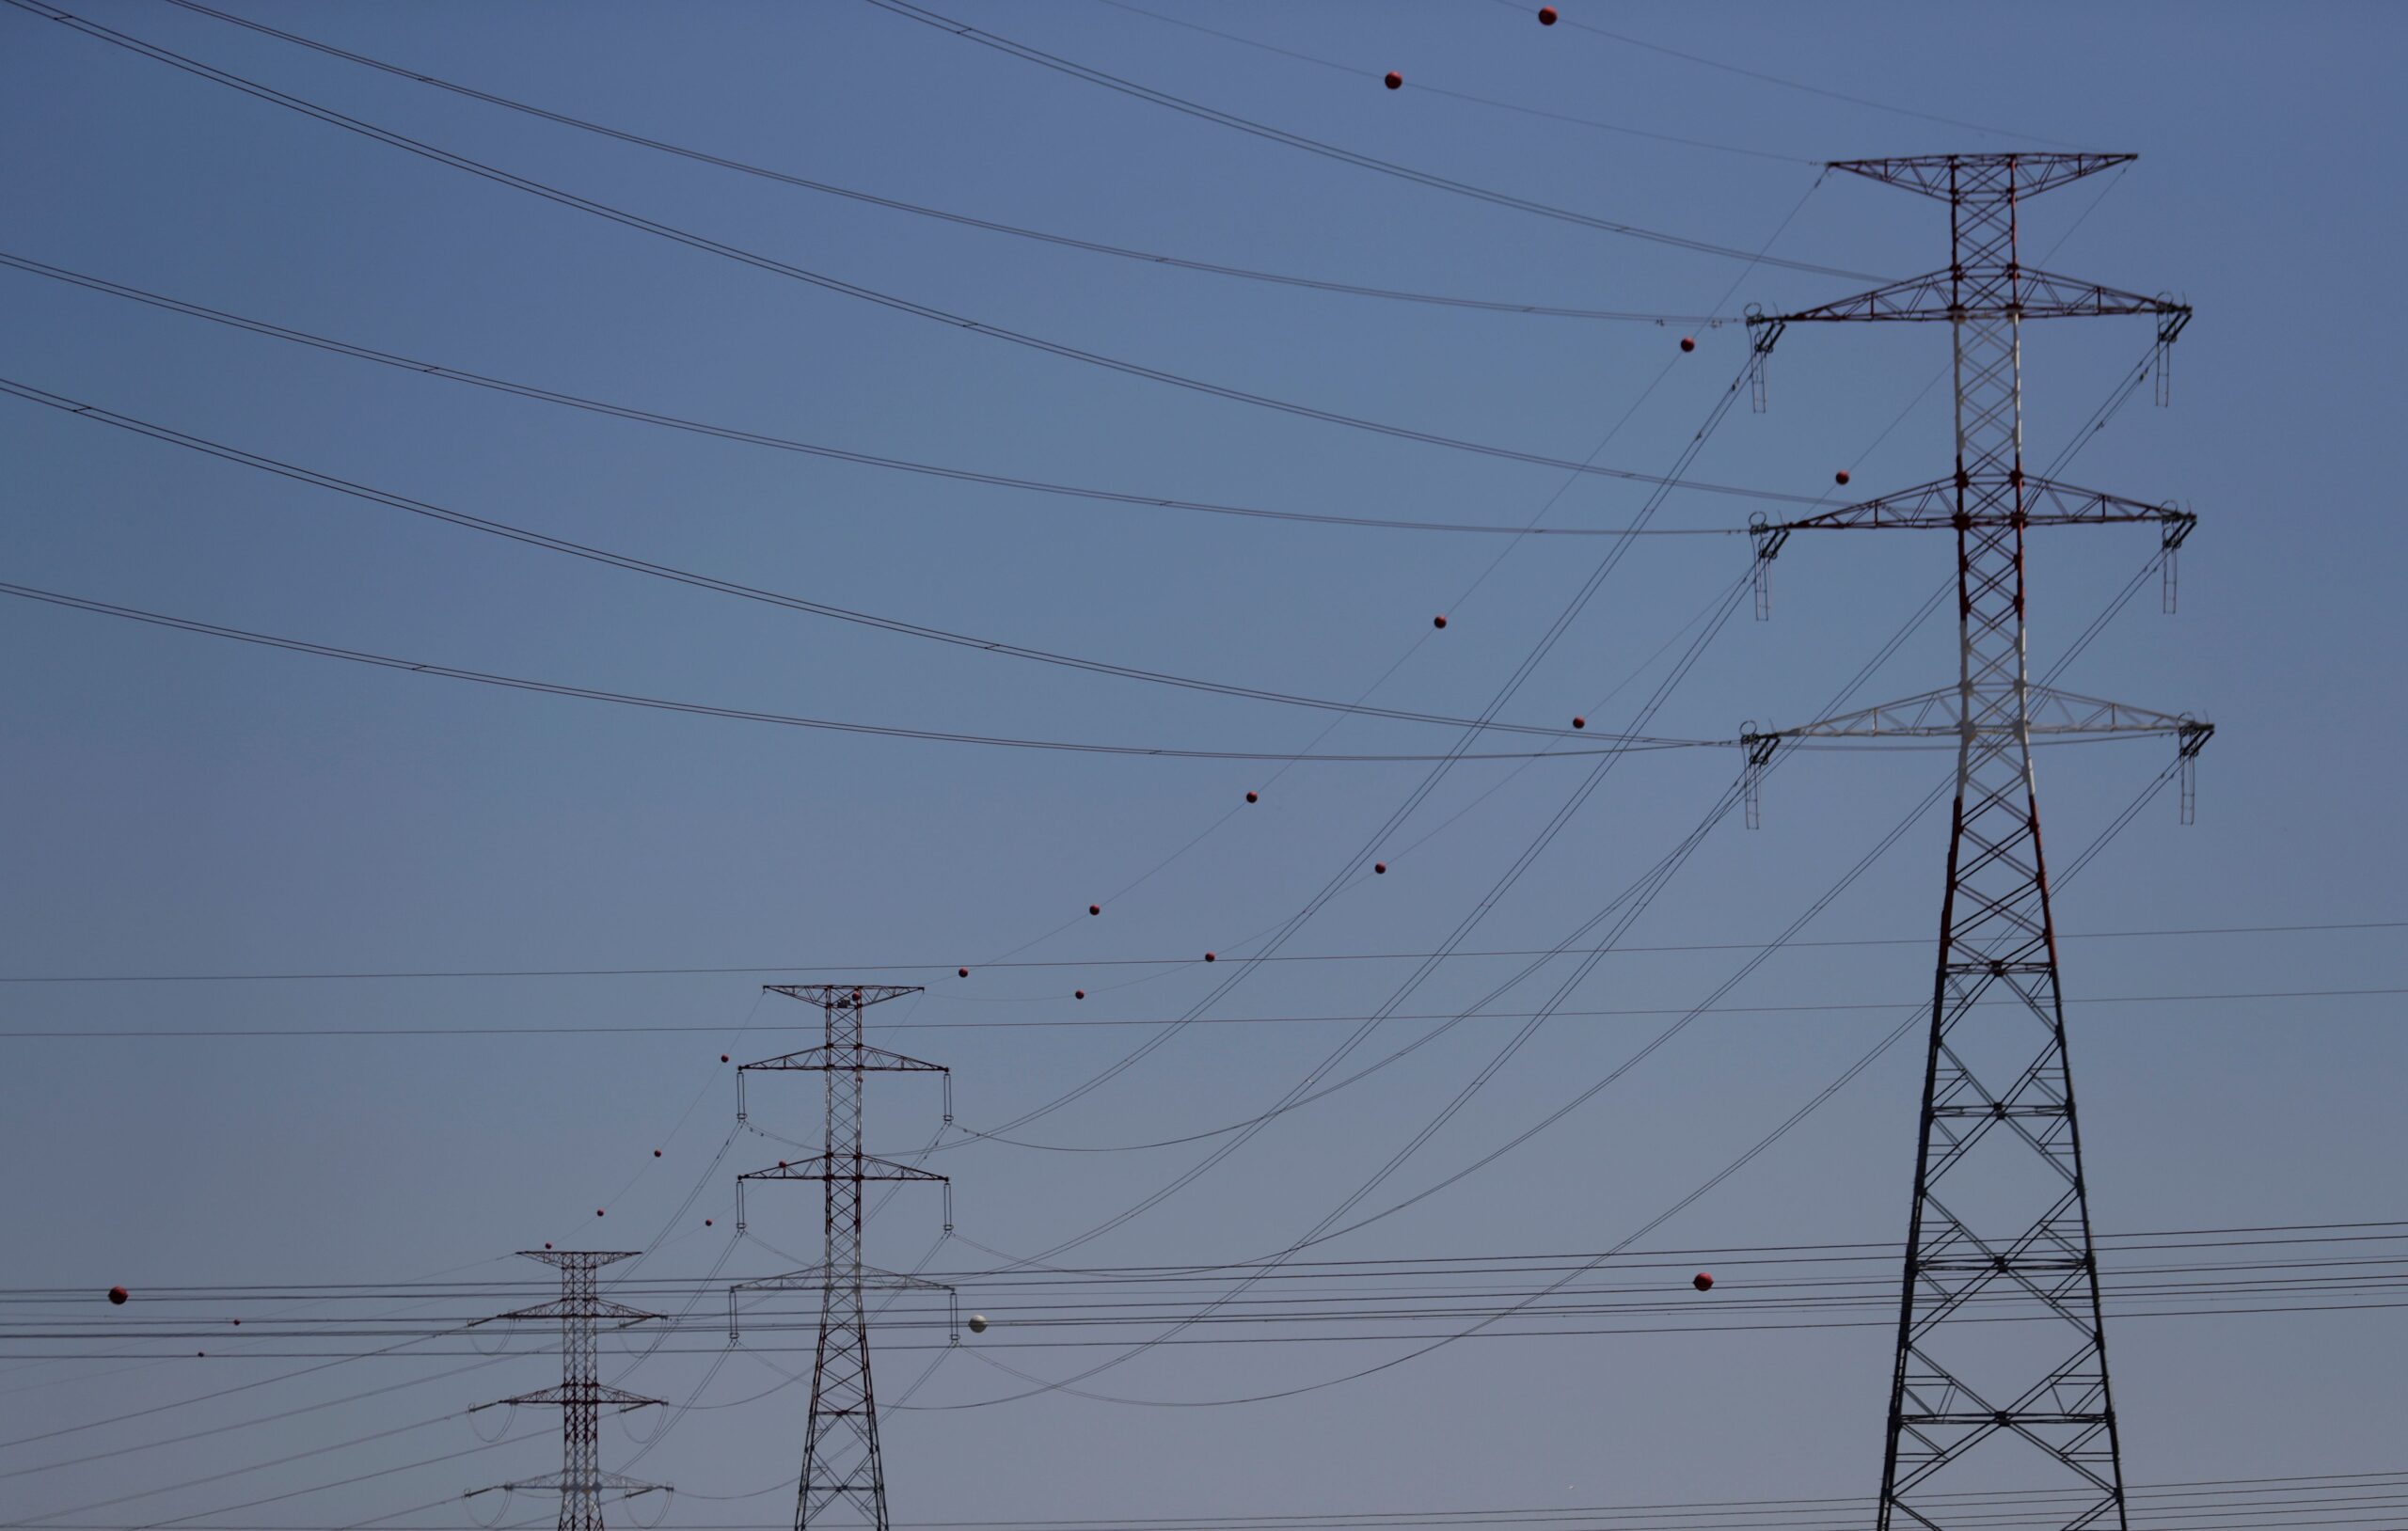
(547, 1244)
(118, 1296)
(1252, 797)
(1437, 622)
(961, 972)
(1095, 908)
(1395, 80)
(1546, 15)
(1380, 868)
(1841, 477)
(706, 1223)
(1207, 957)
(201, 1353)
(1702, 1281)
(722, 1057)
(1688, 342)
(656, 1153)
(238, 1323)
(597, 1211)
(1078, 994)
(1579, 722)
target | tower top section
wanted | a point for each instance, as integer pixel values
(1965, 178)
(842, 996)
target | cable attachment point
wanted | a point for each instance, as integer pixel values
(2188, 742)
(2170, 322)
(1757, 748)
(1768, 538)
(2179, 523)
(1762, 331)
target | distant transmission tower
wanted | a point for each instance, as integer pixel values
(581, 1394)
(2000, 1223)
(844, 1481)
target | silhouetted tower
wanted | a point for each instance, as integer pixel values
(582, 1395)
(2000, 1229)
(844, 1481)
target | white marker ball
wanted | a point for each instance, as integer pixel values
(978, 1323)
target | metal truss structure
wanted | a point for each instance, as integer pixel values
(582, 1395)
(844, 1477)
(2000, 1229)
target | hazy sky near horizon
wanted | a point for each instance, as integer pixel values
(180, 808)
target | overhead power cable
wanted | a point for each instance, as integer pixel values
(1848, 1007)
(716, 586)
(1186, 961)
(832, 284)
(515, 1290)
(965, 220)
(755, 438)
(1347, 156)
(1788, 84)
(1423, 1346)
(519, 683)
(1417, 82)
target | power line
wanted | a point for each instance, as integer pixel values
(820, 279)
(716, 586)
(1787, 84)
(1417, 83)
(754, 438)
(1187, 961)
(965, 220)
(516, 682)
(2268, 1494)
(1327, 151)
(2219, 1236)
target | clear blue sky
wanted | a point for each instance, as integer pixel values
(177, 804)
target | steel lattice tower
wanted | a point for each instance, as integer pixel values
(581, 1393)
(1999, 1228)
(844, 1479)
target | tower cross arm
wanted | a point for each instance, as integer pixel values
(842, 996)
(571, 1393)
(812, 1277)
(1947, 176)
(1941, 714)
(576, 1307)
(1940, 504)
(1979, 291)
(826, 1167)
(866, 1058)
(627, 1486)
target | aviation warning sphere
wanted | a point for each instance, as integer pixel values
(978, 1323)
(118, 1296)
(1702, 1281)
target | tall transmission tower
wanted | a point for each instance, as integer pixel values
(1999, 1228)
(844, 1478)
(582, 1395)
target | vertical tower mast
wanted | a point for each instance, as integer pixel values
(2000, 1226)
(581, 1393)
(844, 1478)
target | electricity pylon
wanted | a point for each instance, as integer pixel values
(844, 1478)
(581, 1393)
(1999, 1228)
